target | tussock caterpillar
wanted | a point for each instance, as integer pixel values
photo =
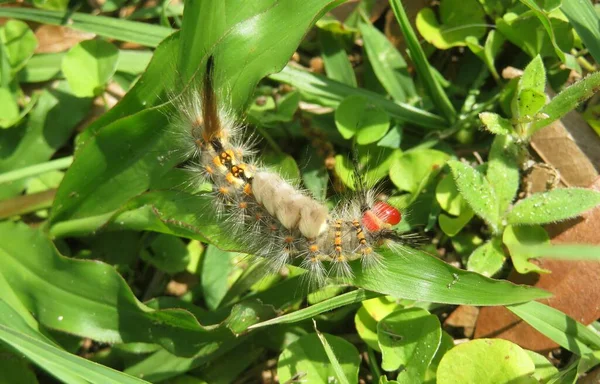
(272, 217)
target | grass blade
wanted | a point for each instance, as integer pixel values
(435, 90)
(557, 326)
(327, 92)
(584, 19)
(124, 30)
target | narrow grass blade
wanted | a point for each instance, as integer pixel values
(585, 20)
(124, 30)
(557, 326)
(435, 90)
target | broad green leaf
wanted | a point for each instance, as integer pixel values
(330, 93)
(283, 164)
(525, 31)
(493, 43)
(48, 127)
(306, 359)
(409, 338)
(415, 275)
(229, 366)
(459, 19)
(486, 361)
(413, 167)
(388, 64)
(503, 171)
(89, 65)
(529, 102)
(90, 299)
(393, 138)
(16, 369)
(568, 100)
(356, 116)
(451, 201)
(477, 191)
(110, 27)
(168, 254)
(557, 326)
(19, 43)
(109, 170)
(447, 195)
(517, 239)
(327, 305)
(446, 344)
(222, 29)
(9, 110)
(552, 206)
(584, 19)
(433, 87)
(366, 327)
(335, 58)
(215, 269)
(496, 124)
(451, 226)
(72, 368)
(568, 60)
(380, 307)
(340, 375)
(544, 369)
(534, 76)
(487, 259)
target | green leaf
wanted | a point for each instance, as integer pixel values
(517, 238)
(340, 375)
(477, 191)
(559, 327)
(447, 195)
(366, 327)
(534, 76)
(222, 29)
(409, 338)
(169, 254)
(503, 171)
(434, 88)
(487, 53)
(561, 251)
(544, 369)
(584, 19)
(451, 226)
(552, 206)
(330, 93)
(348, 298)
(412, 167)
(335, 58)
(496, 124)
(357, 116)
(568, 100)
(375, 160)
(89, 65)
(9, 110)
(54, 360)
(48, 127)
(215, 269)
(486, 361)
(568, 60)
(119, 29)
(459, 20)
(307, 360)
(19, 43)
(529, 102)
(487, 259)
(416, 275)
(388, 64)
(89, 298)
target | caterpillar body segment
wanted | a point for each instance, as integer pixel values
(273, 218)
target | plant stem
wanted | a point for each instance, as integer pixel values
(36, 169)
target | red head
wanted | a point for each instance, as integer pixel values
(382, 215)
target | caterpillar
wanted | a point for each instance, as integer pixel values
(272, 217)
